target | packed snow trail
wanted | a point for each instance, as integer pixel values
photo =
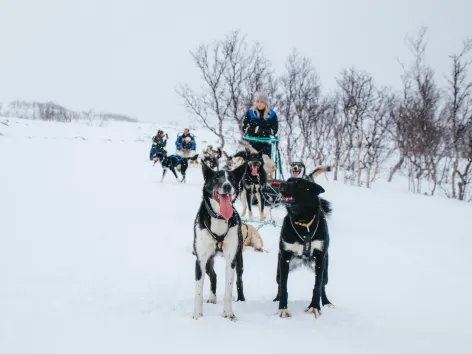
(95, 257)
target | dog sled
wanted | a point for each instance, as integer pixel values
(188, 153)
(270, 192)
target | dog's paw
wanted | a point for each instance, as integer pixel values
(284, 314)
(314, 311)
(196, 316)
(241, 298)
(212, 299)
(230, 315)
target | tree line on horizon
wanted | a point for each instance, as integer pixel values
(51, 111)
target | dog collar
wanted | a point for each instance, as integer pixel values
(306, 225)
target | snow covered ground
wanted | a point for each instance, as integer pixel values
(95, 257)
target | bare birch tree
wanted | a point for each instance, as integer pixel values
(458, 113)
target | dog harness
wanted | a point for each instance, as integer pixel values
(307, 238)
(247, 232)
(218, 238)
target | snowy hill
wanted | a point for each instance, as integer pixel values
(95, 257)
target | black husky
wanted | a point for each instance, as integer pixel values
(304, 240)
(173, 163)
(253, 182)
(298, 169)
(217, 230)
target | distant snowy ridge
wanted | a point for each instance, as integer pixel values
(51, 111)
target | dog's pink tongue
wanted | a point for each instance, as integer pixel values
(226, 209)
(254, 170)
(296, 173)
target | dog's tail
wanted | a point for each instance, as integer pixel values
(319, 170)
(193, 158)
(326, 207)
(225, 155)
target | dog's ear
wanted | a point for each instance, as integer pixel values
(319, 189)
(219, 153)
(242, 154)
(207, 171)
(239, 171)
(260, 154)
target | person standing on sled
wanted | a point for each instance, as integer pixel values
(261, 122)
(159, 142)
(185, 144)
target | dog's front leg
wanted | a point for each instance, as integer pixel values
(199, 281)
(324, 297)
(239, 276)
(228, 299)
(212, 275)
(284, 265)
(320, 263)
(244, 201)
(163, 174)
(277, 279)
(249, 202)
(260, 202)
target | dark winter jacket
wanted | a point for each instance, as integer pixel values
(181, 144)
(159, 142)
(256, 125)
(158, 145)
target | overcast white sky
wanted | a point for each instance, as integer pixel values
(126, 56)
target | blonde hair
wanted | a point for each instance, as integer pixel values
(266, 111)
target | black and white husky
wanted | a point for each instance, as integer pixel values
(173, 163)
(217, 230)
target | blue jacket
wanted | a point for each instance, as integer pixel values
(257, 126)
(180, 144)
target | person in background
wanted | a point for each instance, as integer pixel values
(185, 144)
(159, 142)
(261, 122)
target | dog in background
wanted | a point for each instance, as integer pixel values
(253, 181)
(234, 161)
(217, 230)
(251, 238)
(174, 163)
(269, 165)
(304, 240)
(211, 157)
(298, 170)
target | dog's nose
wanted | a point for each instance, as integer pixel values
(227, 188)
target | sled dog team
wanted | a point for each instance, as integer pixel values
(219, 231)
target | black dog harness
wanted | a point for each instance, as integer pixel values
(308, 237)
(218, 238)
